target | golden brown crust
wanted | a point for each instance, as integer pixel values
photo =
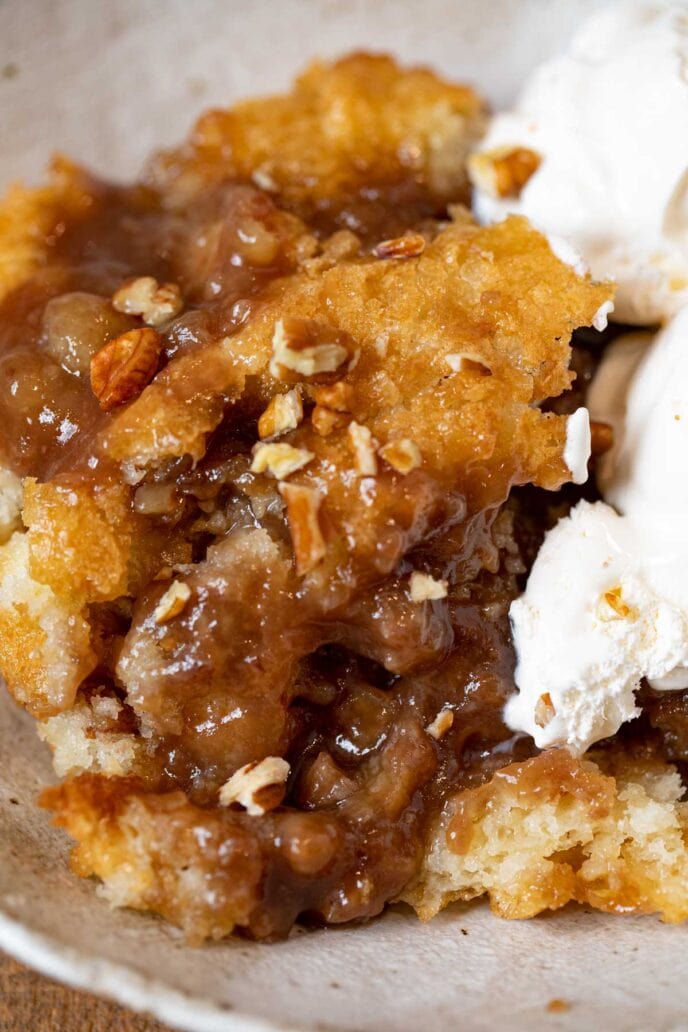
(347, 130)
(45, 637)
(30, 220)
(146, 851)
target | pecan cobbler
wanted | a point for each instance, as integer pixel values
(279, 431)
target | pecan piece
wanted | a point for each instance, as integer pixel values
(154, 302)
(544, 710)
(408, 246)
(284, 413)
(325, 420)
(441, 724)
(504, 171)
(172, 602)
(124, 366)
(613, 598)
(307, 348)
(424, 588)
(337, 396)
(363, 446)
(280, 460)
(257, 786)
(303, 504)
(403, 455)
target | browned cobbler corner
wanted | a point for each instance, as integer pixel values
(263, 414)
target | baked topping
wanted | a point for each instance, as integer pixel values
(359, 143)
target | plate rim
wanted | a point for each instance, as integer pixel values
(123, 985)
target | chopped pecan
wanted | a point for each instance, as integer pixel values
(257, 786)
(172, 602)
(620, 609)
(324, 420)
(544, 710)
(504, 171)
(284, 413)
(154, 302)
(557, 1006)
(408, 246)
(403, 456)
(441, 724)
(124, 366)
(363, 447)
(338, 396)
(303, 504)
(281, 460)
(307, 348)
(424, 588)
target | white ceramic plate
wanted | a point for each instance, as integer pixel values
(106, 83)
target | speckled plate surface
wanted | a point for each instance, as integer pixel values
(106, 83)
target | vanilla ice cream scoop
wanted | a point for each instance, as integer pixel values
(596, 152)
(606, 602)
(641, 388)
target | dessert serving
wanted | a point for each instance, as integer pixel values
(323, 587)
